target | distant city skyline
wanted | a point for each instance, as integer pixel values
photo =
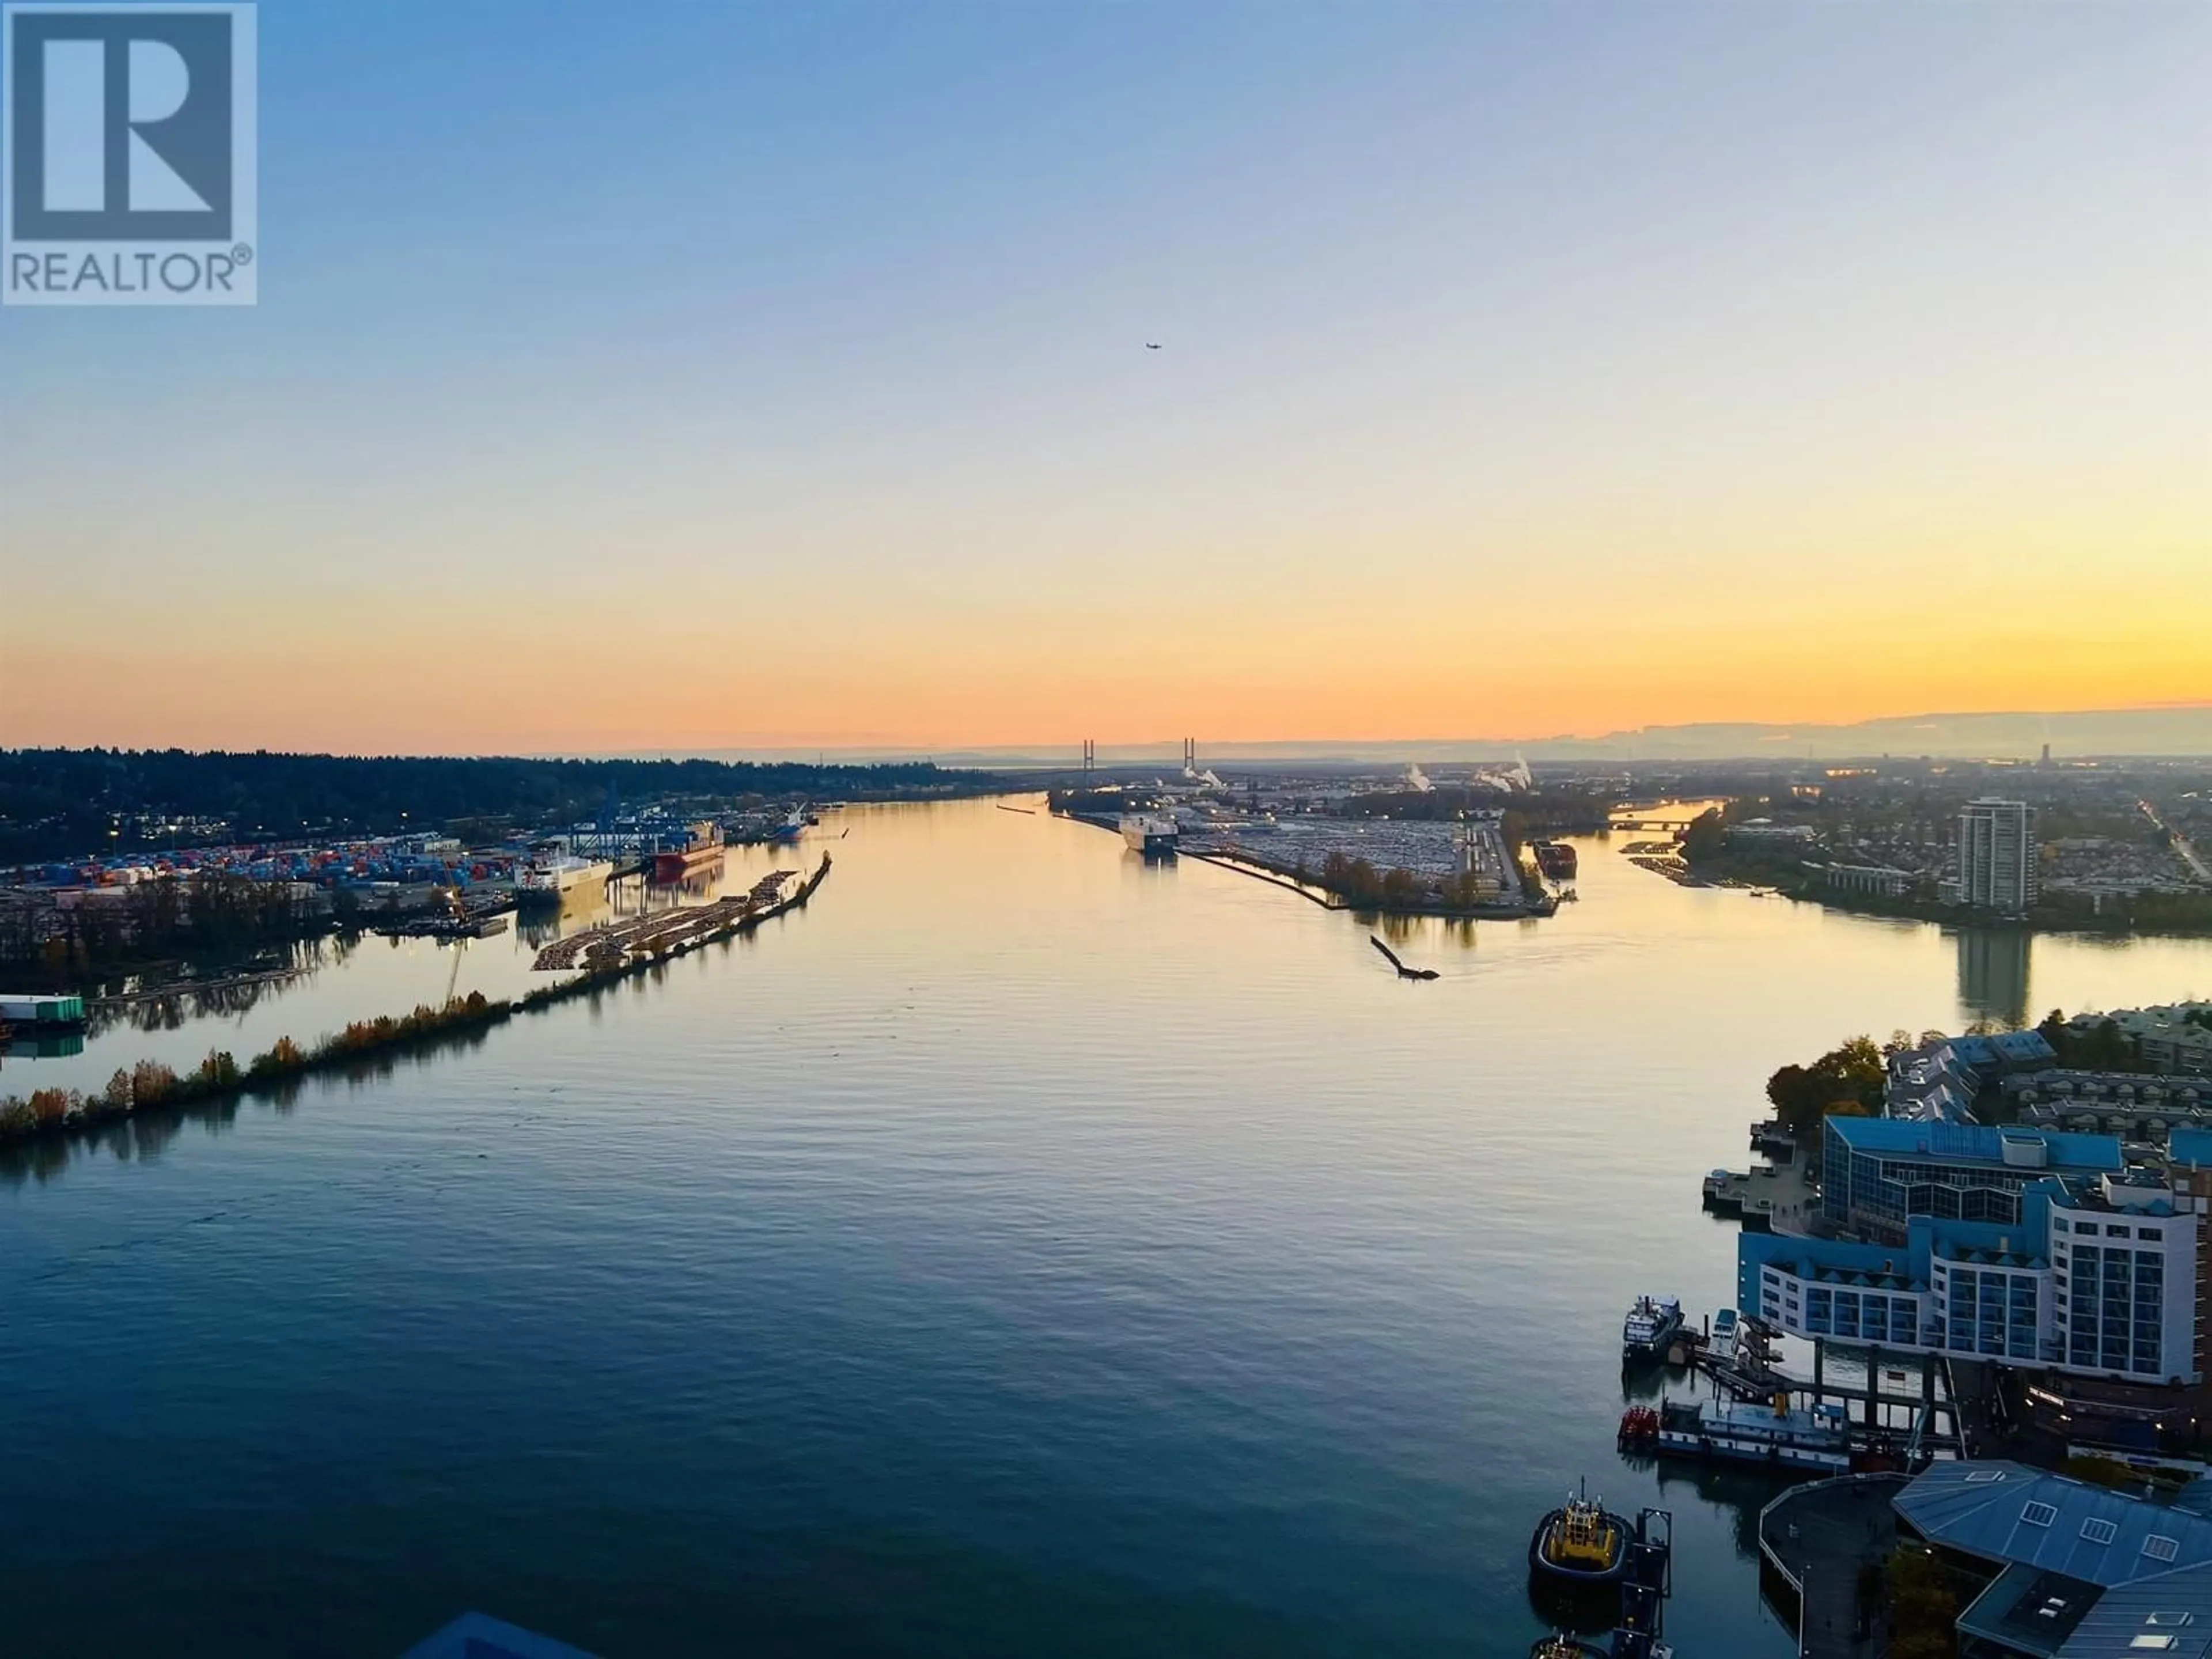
(700, 378)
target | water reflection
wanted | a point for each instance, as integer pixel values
(1993, 973)
(171, 1000)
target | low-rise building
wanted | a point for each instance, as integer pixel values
(1881, 880)
(2067, 1569)
(1939, 1082)
(2174, 1038)
(1767, 831)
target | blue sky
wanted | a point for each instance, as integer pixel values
(1583, 360)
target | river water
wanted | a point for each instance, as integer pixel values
(1022, 1249)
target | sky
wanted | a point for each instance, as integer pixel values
(692, 375)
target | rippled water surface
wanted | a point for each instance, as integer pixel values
(1023, 1249)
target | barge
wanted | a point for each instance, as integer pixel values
(1556, 859)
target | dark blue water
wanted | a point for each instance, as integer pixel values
(1021, 1250)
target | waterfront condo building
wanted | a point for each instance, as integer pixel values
(2030, 1247)
(1997, 855)
(1877, 1173)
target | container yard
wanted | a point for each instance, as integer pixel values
(391, 862)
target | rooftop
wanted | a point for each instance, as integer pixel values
(1973, 1143)
(2169, 1613)
(2010, 1513)
(2029, 1610)
(2133, 1192)
(477, 1635)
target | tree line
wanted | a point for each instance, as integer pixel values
(207, 914)
(69, 803)
(1849, 1079)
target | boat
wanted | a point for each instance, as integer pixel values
(788, 831)
(1564, 1646)
(551, 874)
(1154, 835)
(1768, 1433)
(702, 846)
(1556, 859)
(1582, 1544)
(1652, 1324)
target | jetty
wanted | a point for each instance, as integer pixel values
(1391, 956)
(682, 927)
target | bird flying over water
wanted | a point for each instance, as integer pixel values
(1152, 345)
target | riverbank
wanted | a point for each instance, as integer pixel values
(2122, 922)
(1306, 887)
(1300, 880)
(151, 1086)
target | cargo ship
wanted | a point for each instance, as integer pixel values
(1556, 859)
(701, 847)
(1154, 835)
(549, 874)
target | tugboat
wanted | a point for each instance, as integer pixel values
(1581, 1545)
(1652, 1323)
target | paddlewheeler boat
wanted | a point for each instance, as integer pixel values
(1818, 1440)
(1581, 1545)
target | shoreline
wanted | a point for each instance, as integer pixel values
(152, 1087)
(1953, 916)
(1259, 869)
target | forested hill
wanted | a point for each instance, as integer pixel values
(64, 803)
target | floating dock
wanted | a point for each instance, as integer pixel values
(1886, 1427)
(666, 933)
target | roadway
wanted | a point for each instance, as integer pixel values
(2190, 856)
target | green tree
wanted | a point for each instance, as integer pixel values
(1923, 1608)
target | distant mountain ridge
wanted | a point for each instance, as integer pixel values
(2151, 733)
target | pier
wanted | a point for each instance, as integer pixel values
(1891, 1428)
(1822, 1539)
(1777, 1197)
